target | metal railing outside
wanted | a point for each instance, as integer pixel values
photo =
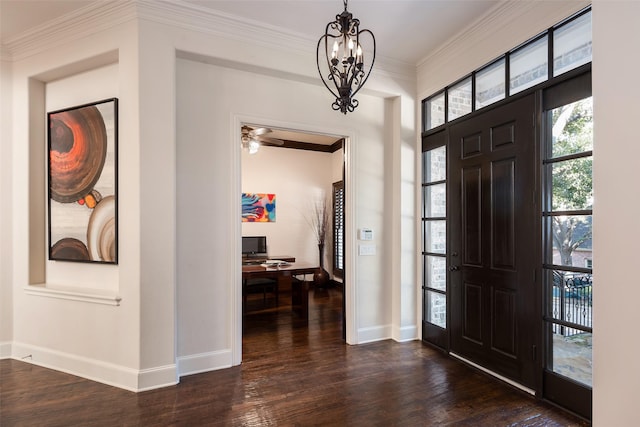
(572, 302)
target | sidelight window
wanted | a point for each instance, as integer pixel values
(434, 235)
(568, 226)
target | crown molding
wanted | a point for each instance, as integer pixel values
(83, 22)
(509, 11)
(100, 16)
(204, 20)
(494, 16)
(201, 19)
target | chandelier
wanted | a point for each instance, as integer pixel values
(342, 66)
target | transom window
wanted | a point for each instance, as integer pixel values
(568, 43)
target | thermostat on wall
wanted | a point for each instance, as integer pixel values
(365, 234)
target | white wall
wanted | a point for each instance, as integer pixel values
(6, 294)
(207, 97)
(616, 372)
(63, 331)
(82, 88)
(299, 179)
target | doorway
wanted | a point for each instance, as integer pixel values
(507, 226)
(297, 169)
(493, 216)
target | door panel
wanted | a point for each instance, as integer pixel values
(473, 313)
(503, 331)
(493, 227)
(472, 215)
(503, 217)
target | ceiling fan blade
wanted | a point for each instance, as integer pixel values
(270, 141)
(260, 131)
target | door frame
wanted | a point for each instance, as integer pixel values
(538, 391)
(235, 281)
(500, 269)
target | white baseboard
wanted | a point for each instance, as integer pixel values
(96, 370)
(161, 376)
(5, 350)
(376, 333)
(204, 362)
(405, 333)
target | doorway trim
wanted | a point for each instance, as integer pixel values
(235, 279)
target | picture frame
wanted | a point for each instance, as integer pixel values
(82, 171)
(258, 207)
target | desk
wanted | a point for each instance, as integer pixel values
(283, 274)
(253, 260)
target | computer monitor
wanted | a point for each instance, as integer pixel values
(254, 245)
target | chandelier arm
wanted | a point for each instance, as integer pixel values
(334, 74)
(328, 64)
(370, 67)
(353, 71)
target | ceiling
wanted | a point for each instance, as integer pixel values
(406, 31)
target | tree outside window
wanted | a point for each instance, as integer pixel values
(572, 183)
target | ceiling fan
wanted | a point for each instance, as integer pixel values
(252, 138)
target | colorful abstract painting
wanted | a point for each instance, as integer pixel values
(83, 181)
(258, 207)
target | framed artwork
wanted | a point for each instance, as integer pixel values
(258, 207)
(83, 183)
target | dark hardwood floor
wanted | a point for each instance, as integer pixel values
(293, 374)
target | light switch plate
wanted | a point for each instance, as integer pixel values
(366, 250)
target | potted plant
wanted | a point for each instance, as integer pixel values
(320, 224)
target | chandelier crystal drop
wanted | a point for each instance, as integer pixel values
(341, 60)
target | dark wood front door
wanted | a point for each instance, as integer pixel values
(494, 244)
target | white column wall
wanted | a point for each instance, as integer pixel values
(157, 204)
(298, 65)
(372, 318)
(208, 96)
(410, 291)
(96, 341)
(616, 230)
(6, 294)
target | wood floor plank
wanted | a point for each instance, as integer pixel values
(294, 373)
